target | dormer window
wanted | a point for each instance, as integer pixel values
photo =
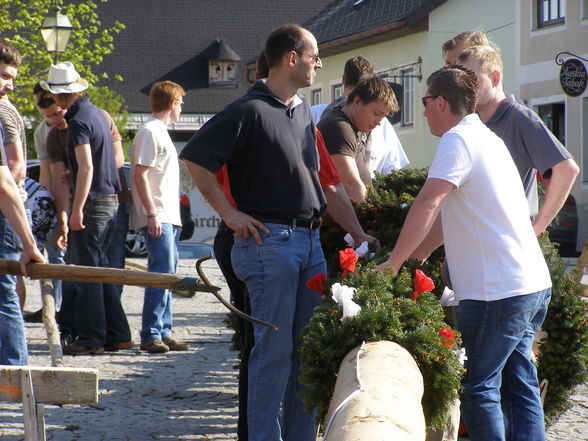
(222, 73)
(222, 64)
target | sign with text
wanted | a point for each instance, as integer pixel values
(572, 77)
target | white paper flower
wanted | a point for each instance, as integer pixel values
(343, 295)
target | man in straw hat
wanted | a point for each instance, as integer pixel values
(13, 219)
(100, 320)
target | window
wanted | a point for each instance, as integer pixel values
(222, 73)
(316, 97)
(550, 12)
(408, 97)
(336, 91)
(554, 117)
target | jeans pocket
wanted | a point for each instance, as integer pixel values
(239, 257)
(276, 238)
(515, 314)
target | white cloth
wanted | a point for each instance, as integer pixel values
(386, 152)
(343, 295)
(491, 247)
(153, 147)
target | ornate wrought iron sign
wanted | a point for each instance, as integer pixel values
(572, 75)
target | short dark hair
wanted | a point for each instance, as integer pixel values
(261, 65)
(283, 40)
(356, 70)
(374, 89)
(45, 99)
(9, 54)
(457, 85)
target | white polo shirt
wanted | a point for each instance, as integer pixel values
(491, 246)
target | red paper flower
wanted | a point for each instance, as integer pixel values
(447, 337)
(317, 283)
(347, 260)
(422, 284)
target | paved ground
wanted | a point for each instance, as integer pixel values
(174, 396)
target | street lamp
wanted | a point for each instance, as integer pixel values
(56, 30)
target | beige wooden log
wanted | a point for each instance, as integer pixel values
(377, 396)
(50, 323)
(52, 385)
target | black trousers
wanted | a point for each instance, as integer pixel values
(223, 243)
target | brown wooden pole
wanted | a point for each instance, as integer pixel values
(79, 273)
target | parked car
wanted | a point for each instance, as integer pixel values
(564, 228)
(135, 244)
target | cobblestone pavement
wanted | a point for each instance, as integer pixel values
(175, 396)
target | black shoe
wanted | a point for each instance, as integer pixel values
(33, 317)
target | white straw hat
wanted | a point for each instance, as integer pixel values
(63, 78)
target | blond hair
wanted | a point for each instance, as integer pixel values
(465, 40)
(487, 56)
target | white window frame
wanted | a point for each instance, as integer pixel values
(316, 96)
(408, 90)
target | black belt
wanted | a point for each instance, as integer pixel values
(311, 224)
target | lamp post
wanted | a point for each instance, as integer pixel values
(56, 30)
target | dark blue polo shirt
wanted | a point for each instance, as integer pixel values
(87, 125)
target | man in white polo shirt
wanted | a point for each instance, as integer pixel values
(497, 268)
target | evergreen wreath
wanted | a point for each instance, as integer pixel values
(388, 312)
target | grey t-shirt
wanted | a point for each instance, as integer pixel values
(14, 130)
(532, 146)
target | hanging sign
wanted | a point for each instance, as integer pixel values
(572, 77)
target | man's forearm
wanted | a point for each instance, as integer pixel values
(143, 189)
(83, 178)
(13, 208)
(419, 221)
(340, 209)
(208, 185)
(556, 192)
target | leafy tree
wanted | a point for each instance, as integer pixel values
(20, 24)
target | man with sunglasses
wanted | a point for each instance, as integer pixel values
(499, 275)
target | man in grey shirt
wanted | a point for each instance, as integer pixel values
(532, 146)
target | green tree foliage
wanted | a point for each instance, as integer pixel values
(20, 24)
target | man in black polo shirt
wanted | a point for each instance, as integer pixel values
(267, 140)
(100, 320)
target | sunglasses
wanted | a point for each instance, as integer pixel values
(425, 98)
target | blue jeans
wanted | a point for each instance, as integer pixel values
(500, 399)
(99, 315)
(276, 274)
(117, 251)
(157, 304)
(13, 343)
(55, 255)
